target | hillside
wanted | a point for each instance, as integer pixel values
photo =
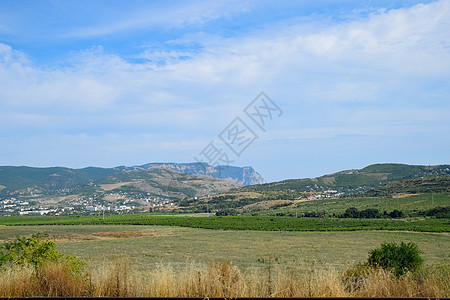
(47, 179)
(66, 191)
(165, 183)
(19, 180)
(378, 180)
(354, 181)
(439, 184)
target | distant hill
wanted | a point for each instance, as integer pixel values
(20, 178)
(194, 188)
(30, 180)
(354, 181)
(341, 189)
(440, 184)
(166, 183)
(242, 175)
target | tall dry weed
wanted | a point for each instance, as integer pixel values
(16, 282)
(115, 279)
(51, 280)
(118, 279)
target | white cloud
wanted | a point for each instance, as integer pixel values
(151, 16)
(389, 59)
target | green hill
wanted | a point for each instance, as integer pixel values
(439, 184)
(354, 181)
(30, 180)
(166, 183)
(47, 184)
(20, 178)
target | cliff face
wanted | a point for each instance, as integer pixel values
(242, 175)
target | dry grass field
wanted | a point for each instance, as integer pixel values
(117, 278)
(149, 246)
(172, 261)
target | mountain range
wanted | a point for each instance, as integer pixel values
(196, 179)
(242, 175)
(23, 179)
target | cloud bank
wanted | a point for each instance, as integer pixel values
(379, 81)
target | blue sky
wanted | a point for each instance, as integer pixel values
(107, 83)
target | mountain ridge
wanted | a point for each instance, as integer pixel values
(243, 175)
(16, 178)
(159, 186)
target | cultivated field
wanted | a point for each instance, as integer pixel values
(406, 203)
(148, 246)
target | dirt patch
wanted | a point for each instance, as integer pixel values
(56, 199)
(113, 198)
(70, 237)
(112, 186)
(123, 234)
(302, 200)
(269, 204)
(404, 195)
(102, 235)
(409, 231)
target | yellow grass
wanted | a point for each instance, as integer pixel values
(403, 195)
(219, 280)
(123, 234)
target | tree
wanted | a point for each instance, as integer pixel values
(227, 212)
(396, 214)
(351, 212)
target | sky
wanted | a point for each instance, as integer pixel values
(106, 83)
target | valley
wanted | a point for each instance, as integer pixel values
(157, 227)
(202, 189)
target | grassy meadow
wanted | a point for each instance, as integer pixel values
(148, 246)
(140, 260)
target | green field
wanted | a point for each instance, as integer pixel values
(260, 223)
(184, 246)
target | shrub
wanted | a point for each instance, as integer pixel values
(351, 212)
(34, 252)
(354, 213)
(400, 258)
(396, 214)
(438, 212)
(227, 212)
